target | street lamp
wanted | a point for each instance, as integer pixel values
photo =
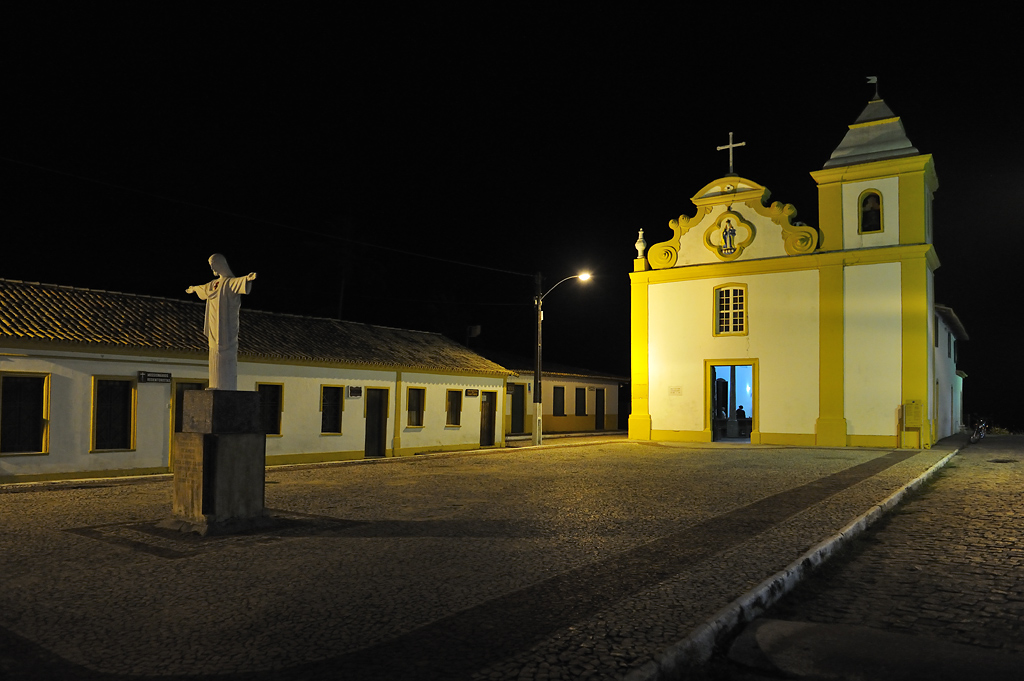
(538, 402)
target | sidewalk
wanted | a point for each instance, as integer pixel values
(563, 439)
(934, 591)
(557, 562)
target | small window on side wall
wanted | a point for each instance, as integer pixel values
(331, 405)
(454, 408)
(113, 422)
(271, 406)
(870, 212)
(416, 398)
(558, 403)
(23, 414)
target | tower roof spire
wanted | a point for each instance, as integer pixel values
(877, 134)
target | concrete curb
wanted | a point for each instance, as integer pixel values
(697, 648)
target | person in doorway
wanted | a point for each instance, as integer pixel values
(741, 417)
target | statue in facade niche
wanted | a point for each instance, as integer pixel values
(223, 300)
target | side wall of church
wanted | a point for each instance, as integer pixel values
(782, 339)
(949, 386)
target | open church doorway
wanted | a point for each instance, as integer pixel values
(733, 398)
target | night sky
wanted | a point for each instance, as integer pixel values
(408, 170)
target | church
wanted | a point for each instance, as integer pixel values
(750, 326)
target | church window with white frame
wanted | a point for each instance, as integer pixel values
(731, 310)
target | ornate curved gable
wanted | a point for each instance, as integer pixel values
(734, 221)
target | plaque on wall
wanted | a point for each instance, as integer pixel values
(472, 392)
(355, 391)
(154, 377)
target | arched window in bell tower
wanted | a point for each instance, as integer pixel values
(870, 212)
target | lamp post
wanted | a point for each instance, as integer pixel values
(538, 402)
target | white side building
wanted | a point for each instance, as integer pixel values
(91, 384)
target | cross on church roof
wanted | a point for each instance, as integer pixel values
(730, 146)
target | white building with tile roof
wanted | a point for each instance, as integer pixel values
(91, 384)
(575, 400)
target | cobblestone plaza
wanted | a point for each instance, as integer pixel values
(577, 561)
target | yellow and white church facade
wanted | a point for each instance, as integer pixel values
(748, 324)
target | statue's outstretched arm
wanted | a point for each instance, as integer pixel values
(198, 290)
(251, 276)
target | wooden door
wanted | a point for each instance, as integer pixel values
(518, 408)
(599, 409)
(488, 411)
(376, 422)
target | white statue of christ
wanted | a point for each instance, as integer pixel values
(223, 300)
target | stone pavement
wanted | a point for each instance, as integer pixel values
(566, 561)
(934, 591)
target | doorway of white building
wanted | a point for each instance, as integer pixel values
(376, 405)
(518, 425)
(178, 388)
(732, 402)
(488, 414)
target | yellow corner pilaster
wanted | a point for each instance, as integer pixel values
(640, 416)
(830, 216)
(396, 444)
(913, 229)
(830, 429)
(916, 347)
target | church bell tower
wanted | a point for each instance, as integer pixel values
(875, 192)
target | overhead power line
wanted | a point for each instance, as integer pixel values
(272, 223)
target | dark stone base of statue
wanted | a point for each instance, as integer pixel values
(219, 466)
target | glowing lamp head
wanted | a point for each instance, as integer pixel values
(583, 276)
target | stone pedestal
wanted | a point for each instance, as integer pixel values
(219, 465)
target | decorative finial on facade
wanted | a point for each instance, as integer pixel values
(640, 244)
(873, 80)
(730, 146)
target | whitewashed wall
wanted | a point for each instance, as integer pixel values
(70, 411)
(873, 345)
(889, 188)
(949, 387)
(783, 337)
(435, 433)
(70, 394)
